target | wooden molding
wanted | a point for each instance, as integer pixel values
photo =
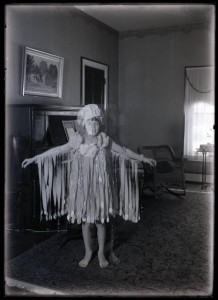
(162, 31)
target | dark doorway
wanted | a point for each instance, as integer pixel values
(94, 89)
(94, 86)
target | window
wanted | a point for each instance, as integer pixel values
(199, 109)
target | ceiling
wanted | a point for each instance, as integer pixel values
(130, 17)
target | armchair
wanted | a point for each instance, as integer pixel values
(168, 173)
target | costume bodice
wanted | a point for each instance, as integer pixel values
(91, 150)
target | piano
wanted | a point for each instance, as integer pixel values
(31, 130)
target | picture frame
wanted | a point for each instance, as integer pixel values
(94, 83)
(42, 73)
(69, 126)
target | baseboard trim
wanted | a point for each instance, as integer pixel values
(194, 177)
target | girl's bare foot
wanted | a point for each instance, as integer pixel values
(85, 261)
(103, 263)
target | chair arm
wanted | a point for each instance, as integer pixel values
(182, 160)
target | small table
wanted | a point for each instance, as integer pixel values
(204, 169)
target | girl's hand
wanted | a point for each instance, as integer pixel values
(28, 161)
(149, 161)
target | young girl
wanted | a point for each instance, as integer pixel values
(91, 179)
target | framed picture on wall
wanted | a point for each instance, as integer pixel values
(94, 88)
(42, 74)
(69, 127)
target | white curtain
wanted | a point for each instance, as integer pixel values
(199, 108)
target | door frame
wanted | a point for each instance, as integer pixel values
(97, 65)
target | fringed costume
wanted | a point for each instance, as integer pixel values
(88, 183)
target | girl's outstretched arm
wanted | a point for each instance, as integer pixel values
(131, 154)
(28, 161)
(74, 143)
(56, 150)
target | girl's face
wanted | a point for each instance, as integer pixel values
(92, 126)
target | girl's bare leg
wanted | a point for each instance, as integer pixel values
(103, 263)
(86, 231)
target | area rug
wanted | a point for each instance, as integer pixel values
(168, 253)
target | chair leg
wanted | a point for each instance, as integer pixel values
(59, 233)
(155, 192)
(155, 188)
(183, 182)
(141, 186)
(155, 182)
(184, 187)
